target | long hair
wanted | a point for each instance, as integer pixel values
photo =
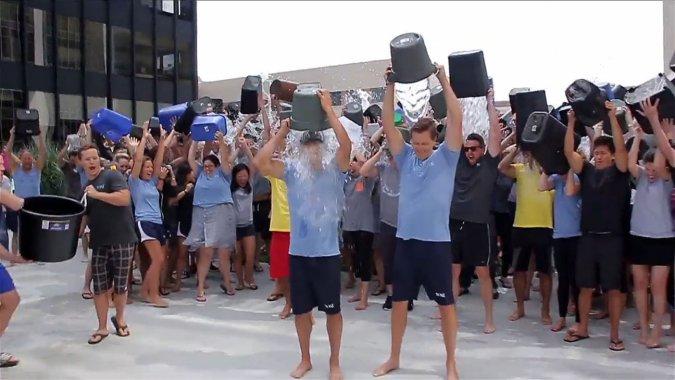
(233, 183)
(181, 174)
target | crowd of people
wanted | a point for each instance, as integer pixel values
(435, 211)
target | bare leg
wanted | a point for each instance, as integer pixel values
(456, 271)
(520, 285)
(87, 279)
(151, 281)
(640, 282)
(120, 304)
(485, 281)
(363, 298)
(203, 265)
(334, 327)
(9, 302)
(659, 284)
(101, 304)
(224, 258)
(181, 263)
(248, 245)
(379, 267)
(584, 305)
(303, 327)
(616, 303)
(449, 328)
(239, 258)
(399, 320)
(285, 289)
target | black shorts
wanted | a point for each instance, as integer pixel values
(600, 261)
(315, 282)
(386, 244)
(151, 231)
(651, 251)
(425, 263)
(537, 241)
(261, 218)
(471, 243)
(244, 231)
(12, 218)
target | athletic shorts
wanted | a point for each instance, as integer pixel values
(537, 241)
(471, 243)
(424, 263)
(315, 282)
(599, 261)
(151, 231)
(650, 251)
(110, 265)
(6, 283)
(386, 244)
(261, 217)
(244, 231)
(279, 248)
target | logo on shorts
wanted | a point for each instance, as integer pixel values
(442, 295)
(329, 306)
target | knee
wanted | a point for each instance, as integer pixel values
(10, 301)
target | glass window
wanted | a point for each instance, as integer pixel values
(68, 42)
(95, 46)
(121, 40)
(10, 48)
(70, 114)
(122, 106)
(167, 6)
(144, 111)
(39, 32)
(44, 103)
(185, 61)
(147, 3)
(165, 58)
(94, 104)
(10, 100)
(143, 49)
(185, 9)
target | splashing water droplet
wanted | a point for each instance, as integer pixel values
(414, 98)
(475, 118)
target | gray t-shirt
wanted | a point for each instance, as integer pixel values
(472, 198)
(109, 224)
(261, 185)
(390, 181)
(651, 211)
(358, 214)
(243, 207)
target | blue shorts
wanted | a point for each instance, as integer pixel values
(425, 263)
(315, 282)
(152, 231)
(6, 283)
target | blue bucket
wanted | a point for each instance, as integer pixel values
(166, 114)
(204, 127)
(111, 124)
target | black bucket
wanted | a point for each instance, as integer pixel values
(545, 135)
(353, 112)
(437, 102)
(523, 103)
(409, 58)
(468, 75)
(49, 228)
(249, 94)
(587, 101)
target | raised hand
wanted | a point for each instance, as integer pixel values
(649, 110)
(326, 100)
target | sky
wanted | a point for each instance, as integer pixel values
(526, 44)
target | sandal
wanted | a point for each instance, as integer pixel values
(164, 292)
(87, 295)
(97, 338)
(122, 331)
(252, 286)
(227, 291)
(616, 345)
(274, 297)
(8, 360)
(238, 287)
(258, 268)
(573, 338)
(201, 297)
(378, 292)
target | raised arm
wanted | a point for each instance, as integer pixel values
(494, 138)
(505, 164)
(453, 132)
(651, 112)
(573, 158)
(375, 138)
(225, 154)
(264, 161)
(138, 155)
(242, 146)
(267, 127)
(345, 149)
(572, 184)
(393, 135)
(42, 150)
(192, 161)
(369, 168)
(545, 182)
(165, 140)
(620, 154)
(633, 165)
(10, 149)
(508, 141)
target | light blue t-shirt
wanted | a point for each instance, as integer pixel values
(566, 210)
(27, 184)
(315, 202)
(145, 195)
(651, 211)
(212, 190)
(425, 192)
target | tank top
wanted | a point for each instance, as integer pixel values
(27, 183)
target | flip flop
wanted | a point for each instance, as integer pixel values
(252, 286)
(87, 295)
(258, 268)
(8, 360)
(226, 290)
(97, 338)
(616, 345)
(573, 338)
(274, 297)
(122, 331)
(201, 298)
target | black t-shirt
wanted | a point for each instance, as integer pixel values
(472, 198)
(169, 212)
(185, 210)
(109, 224)
(73, 184)
(605, 198)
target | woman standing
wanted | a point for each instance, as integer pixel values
(213, 217)
(185, 180)
(242, 193)
(145, 179)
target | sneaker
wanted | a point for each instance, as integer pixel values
(411, 305)
(387, 303)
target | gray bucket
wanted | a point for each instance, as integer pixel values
(307, 113)
(409, 58)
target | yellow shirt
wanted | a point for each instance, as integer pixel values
(534, 208)
(280, 220)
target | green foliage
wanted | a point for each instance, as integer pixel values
(53, 180)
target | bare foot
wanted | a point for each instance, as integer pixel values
(643, 338)
(559, 325)
(573, 329)
(516, 315)
(355, 298)
(301, 370)
(335, 373)
(546, 318)
(286, 312)
(653, 343)
(350, 283)
(437, 315)
(489, 328)
(636, 326)
(451, 371)
(160, 303)
(385, 368)
(671, 348)
(362, 306)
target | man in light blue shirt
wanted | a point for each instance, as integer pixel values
(423, 254)
(315, 200)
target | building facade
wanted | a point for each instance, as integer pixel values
(69, 58)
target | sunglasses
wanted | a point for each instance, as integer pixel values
(471, 148)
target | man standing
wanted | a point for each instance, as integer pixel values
(605, 196)
(423, 236)
(315, 200)
(113, 240)
(471, 226)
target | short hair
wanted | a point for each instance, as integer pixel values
(120, 156)
(476, 137)
(213, 158)
(86, 148)
(606, 141)
(649, 156)
(426, 124)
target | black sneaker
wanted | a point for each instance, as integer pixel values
(411, 305)
(387, 303)
(495, 294)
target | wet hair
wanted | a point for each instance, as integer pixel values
(86, 148)
(476, 137)
(234, 185)
(213, 158)
(648, 157)
(182, 172)
(606, 141)
(311, 136)
(426, 124)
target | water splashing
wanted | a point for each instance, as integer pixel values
(475, 118)
(414, 98)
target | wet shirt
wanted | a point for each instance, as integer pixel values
(389, 184)
(474, 185)
(213, 189)
(243, 207)
(315, 201)
(566, 210)
(651, 211)
(27, 183)
(426, 190)
(605, 196)
(358, 214)
(109, 224)
(145, 195)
